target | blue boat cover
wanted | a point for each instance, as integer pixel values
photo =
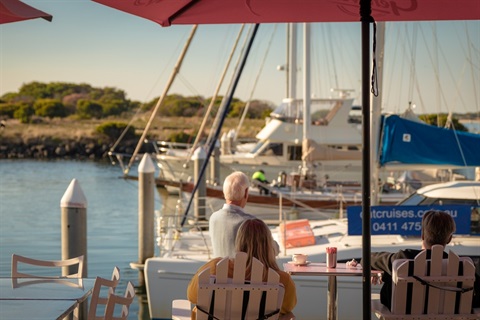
(409, 142)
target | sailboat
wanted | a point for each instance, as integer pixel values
(334, 152)
(407, 148)
(330, 122)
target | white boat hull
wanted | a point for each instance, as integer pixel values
(167, 277)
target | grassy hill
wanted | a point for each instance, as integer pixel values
(72, 129)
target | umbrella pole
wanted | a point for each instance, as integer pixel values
(365, 13)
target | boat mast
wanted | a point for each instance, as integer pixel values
(376, 114)
(292, 61)
(175, 71)
(306, 89)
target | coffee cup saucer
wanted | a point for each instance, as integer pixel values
(298, 263)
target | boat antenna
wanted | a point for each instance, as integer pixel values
(225, 109)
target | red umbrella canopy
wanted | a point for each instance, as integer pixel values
(15, 10)
(167, 12)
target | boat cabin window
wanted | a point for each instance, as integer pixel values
(420, 200)
(291, 110)
(288, 111)
(413, 200)
(294, 153)
(319, 117)
(273, 149)
(257, 147)
(355, 115)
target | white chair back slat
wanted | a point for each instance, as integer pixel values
(399, 291)
(272, 298)
(256, 295)
(452, 271)
(97, 297)
(467, 297)
(435, 265)
(222, 301)
(435, 294)
(204, 293)
(123, 301)
(418, 290)
(238, 279)
(70, 268)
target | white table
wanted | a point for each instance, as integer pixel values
(36, 309)
(40, 298)
(320, 269)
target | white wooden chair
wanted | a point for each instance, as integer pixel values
(433, 288)
(66, 266)
(220, 297)
(123, 302)
(69, 268)
(97, 298)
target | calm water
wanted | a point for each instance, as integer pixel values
(473, 127)
(30, 221)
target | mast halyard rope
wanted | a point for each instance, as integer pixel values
(247, 106)
(214, 97)
(175, 71)
(223, 104)
(227, 103)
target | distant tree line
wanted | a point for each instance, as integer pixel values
(61, 99)
(36, 100)
(440, 120)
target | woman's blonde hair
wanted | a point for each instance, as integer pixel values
(255, 239)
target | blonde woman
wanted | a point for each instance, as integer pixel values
(255, 239)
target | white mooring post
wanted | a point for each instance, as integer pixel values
(199, 157)
(146, 211)
(74, 225)
(215, 165)
(73, 207)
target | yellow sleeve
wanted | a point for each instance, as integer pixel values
(192, 289)
(290, 297)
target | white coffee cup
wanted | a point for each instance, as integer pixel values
(299, 258)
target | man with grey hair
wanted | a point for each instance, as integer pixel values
(224, 223)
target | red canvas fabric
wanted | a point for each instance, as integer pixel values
(15, 10)
(167, 12)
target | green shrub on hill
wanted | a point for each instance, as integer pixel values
(24, 113)
(50, 108)
(181, 137)
(8, 109)
(113, 130)
(87, 109)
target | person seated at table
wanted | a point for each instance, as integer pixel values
(437, 228)
(255, 239)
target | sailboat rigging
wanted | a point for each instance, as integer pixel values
(175, 71)
(225, 104)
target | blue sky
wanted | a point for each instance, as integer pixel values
(90, 43)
